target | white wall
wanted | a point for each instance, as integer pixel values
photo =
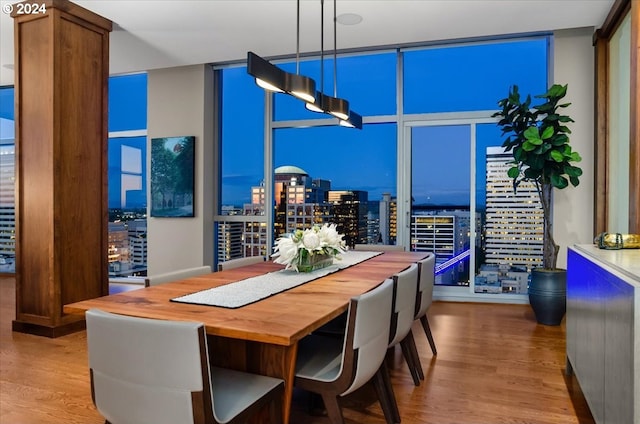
(573, 64)
(180, 103)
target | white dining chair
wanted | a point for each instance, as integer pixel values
(424, 298)
(334, 367)
(238, 262)
(146, 371)
(426, 272)
(404, 303)
(154, 280)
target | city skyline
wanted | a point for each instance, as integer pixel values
(437, 80)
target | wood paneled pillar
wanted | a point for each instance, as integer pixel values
(61, 89)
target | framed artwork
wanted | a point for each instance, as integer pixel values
(172, 175)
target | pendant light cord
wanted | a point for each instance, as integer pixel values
(321, 45)
(298, 38)
(335, 54)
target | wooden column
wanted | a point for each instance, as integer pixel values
(61, 77)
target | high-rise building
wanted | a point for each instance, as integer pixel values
(373, 228)
(127, 248)
(301, 202)
(350, 214)
(388, 219)
(254, 242)
(118, 248)
(514, 220)
(230, 238)
(137, 230)
(447, 234)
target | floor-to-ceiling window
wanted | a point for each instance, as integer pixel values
(126, 176)
(349, 176)
(463, 206)
(241, 226)
(426, 171)
(7, 182)
(324, 175)
(441, 198)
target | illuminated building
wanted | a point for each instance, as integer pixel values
(350, 214)
(388, 219)
(514, 220)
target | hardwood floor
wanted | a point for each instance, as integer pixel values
(494, 365)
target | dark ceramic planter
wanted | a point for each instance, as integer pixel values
(548, 295)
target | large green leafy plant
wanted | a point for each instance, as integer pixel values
(538, 138)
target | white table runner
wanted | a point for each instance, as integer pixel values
(253, 289)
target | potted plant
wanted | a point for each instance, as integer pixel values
(538, 138)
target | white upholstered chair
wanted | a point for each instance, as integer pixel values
(333, 367)
(426, 272)
(147, 371)
(237, 263)
(424, 298)
(154, 280)
(379, 247)
(404, 303)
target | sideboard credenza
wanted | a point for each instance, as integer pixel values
(603, 330)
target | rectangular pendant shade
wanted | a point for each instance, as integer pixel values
(301, 87)
(337, 107)
(330, 105)
(272, 78)
(267, 75)
(353, 121)
(319, 104)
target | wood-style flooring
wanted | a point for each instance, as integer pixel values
(495, 365)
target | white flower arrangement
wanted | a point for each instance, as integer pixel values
(299, 247)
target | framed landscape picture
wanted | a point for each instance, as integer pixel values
(172, 175)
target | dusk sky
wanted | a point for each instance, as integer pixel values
(448, 79)
(442, 80)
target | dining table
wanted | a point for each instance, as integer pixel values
(262, 336)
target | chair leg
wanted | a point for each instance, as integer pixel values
(386, 395)
(416, 356)
(333, 408)
(427, 330)
(383, 397)
(417, 359)
(409, 357)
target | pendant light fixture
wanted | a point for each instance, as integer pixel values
(298, 85)
(354, 120)
(338, 107)
(324, 103)
(272, 78)
(267, 75)
(318, 104)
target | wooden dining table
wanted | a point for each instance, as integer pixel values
(261, 337)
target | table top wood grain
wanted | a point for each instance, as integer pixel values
(282, 319)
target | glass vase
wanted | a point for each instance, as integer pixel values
(308, 263)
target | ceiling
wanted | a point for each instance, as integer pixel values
(151, 34)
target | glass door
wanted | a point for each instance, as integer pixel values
(440, 217)
(462, 207)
